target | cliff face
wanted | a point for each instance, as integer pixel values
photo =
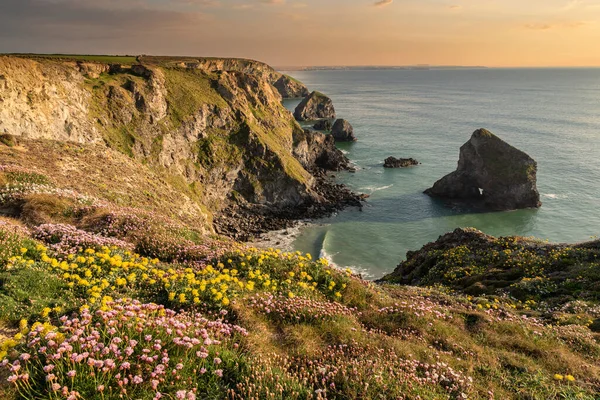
(285, 85)
(225, 133)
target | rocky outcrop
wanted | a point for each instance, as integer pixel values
(393, 162)
(315, 106)
(342, 131)
(491, 173)
(323, 125)
(472, 262)
(286, 86)
(226, 134)
(315, 149)
(45, 100)
(290, 88)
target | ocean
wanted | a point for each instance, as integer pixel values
(551, 114)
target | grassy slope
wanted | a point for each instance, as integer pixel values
(390, 335)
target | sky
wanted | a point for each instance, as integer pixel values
(502, 33)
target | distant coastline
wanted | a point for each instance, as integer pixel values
(376, 67)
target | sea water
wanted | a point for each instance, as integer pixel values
(551, 114)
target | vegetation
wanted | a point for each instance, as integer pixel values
(85, 58)
(112, 287)
(174, 312)
(187, 92)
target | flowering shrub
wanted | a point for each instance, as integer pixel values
(298, 309)
(94, 274)
(13, 242)
(419, 307)
(69, 240)
(351, 371)
(127, 350)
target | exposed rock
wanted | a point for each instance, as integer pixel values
(45, 100)
(225, 134)
(315, 106)
(290, 88)
(491, 173)
(323, 125)
(92, 70)
(393, 162)
(286, 86)
(317, 150)
(115, 68)
(141, 70)
(342, 131)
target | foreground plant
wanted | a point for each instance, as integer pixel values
(130, 351)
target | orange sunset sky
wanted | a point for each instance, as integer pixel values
(314, 32)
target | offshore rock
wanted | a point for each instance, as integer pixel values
(315, 106)
(323, 125)
(342, 131)
(393, 162)
(491, 173)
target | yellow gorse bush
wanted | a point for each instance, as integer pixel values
(94, 275)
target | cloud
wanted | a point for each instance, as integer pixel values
(555, 25)
(383, 3)
(76, 19)
(273, 2)
(571, 4)
(455, 7)
(200, 3)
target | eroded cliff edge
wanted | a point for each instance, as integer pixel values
(221, 136)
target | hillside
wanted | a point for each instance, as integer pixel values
(115, 284)
(222, 139)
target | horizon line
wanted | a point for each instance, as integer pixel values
(329, 66)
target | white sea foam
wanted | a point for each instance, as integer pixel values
(354, 269)
(554, 196)
(374, 189)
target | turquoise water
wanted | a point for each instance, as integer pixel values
(552, 114)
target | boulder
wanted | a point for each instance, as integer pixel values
(393, 162)
(342, 131)
(323, 125)
(491, 173)
(315, 106)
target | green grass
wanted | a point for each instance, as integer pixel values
(25, 292)
(187, 91)
(108, 59)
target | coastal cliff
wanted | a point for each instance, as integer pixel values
(217, 128)
(116, 179)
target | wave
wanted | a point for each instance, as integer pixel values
(374, 189)
(323, 253)
(554, 196)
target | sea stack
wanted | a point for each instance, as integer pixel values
(342, 131)
(491, 173)
(315, 106)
